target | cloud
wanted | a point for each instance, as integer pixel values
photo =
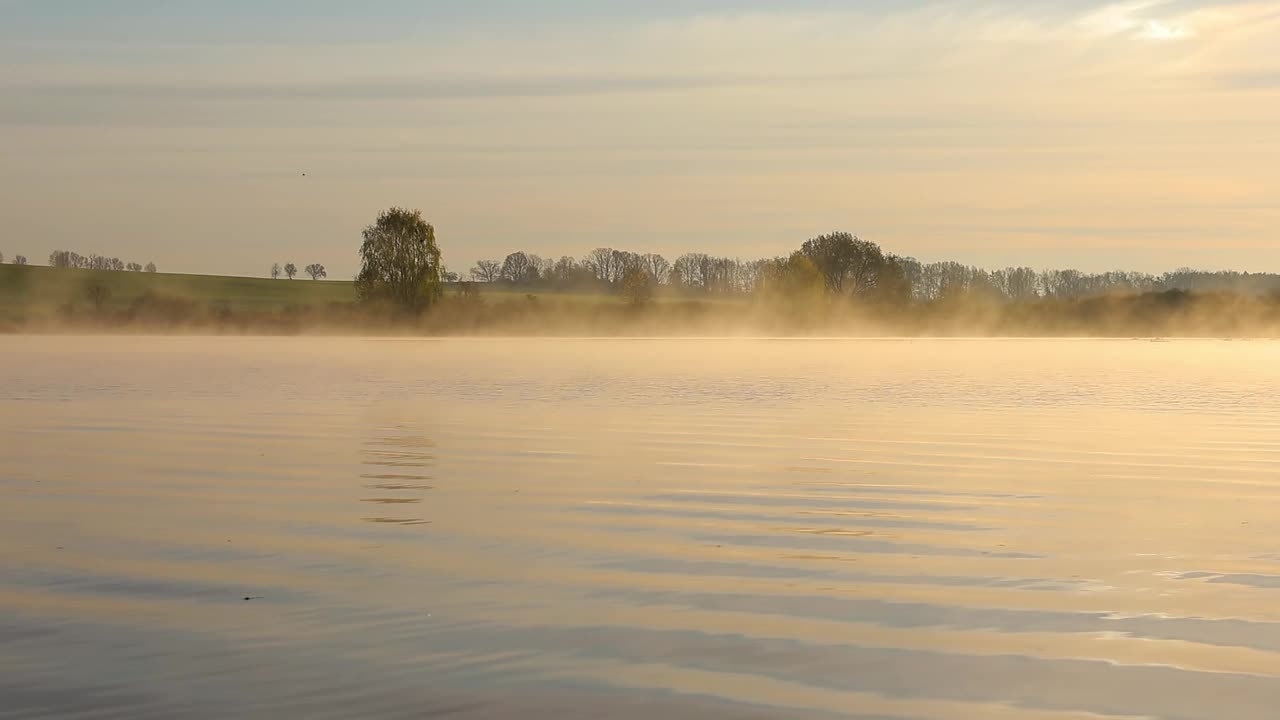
(1136, 20)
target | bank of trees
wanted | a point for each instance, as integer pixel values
(71, 259)
(842, 265)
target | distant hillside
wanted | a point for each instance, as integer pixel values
(33, 288)
(40, 293)
(28, 289)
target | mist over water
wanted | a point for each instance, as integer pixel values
(494, 528)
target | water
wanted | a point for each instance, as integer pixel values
(888, 530)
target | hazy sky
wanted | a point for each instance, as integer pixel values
(1071, 133)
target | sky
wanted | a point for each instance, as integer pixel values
(1139, 135)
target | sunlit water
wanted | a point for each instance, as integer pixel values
(897, 530)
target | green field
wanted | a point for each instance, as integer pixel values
(36, 289)
(33, 291)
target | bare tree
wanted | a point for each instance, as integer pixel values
(516, 267)
(19, 259)
(135, 267)
(290, 270)
(689, 271)
(151, 267)
(623, 262)
(545, 267)
(101, 262)
(275, 271)
(316, 271)
(657, 266)
(601, 262)
(67, 259)
(1, 258)
(566, 271)
(486, 271)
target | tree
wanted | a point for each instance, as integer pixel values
(657, 266)
(151, 267)
(486, 271)
(688, 272)
(19, 259)
(566, 272)
(723, 275)
(316, 271)
(401, 261)
(795, 278)
(68, 259)
(601, 262)
(290, 270)
(542, 267)
(845, 261)
(275, 271)
(516, 267)
(624, 261)
(637, 286)
(135, 267)
(1, 258)
(893, 282)
(103, 263)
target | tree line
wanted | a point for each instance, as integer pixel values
(843, 264)
(839, 263)
(403, 263)
(830, 283)
(70, 259)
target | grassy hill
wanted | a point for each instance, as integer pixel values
(38, 289)
(42, 298)
(33, 288)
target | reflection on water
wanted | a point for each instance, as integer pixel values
(398, 448)
(921, 530)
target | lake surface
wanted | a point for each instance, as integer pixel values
(883, 530)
